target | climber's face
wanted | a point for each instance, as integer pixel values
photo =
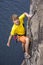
(16, 21)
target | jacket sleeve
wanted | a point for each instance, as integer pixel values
(22, 16)
(13, 30)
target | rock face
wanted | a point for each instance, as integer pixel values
(37, 32)
(36, 29)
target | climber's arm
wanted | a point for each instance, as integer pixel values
(9, 40)
(12, 33)
(27, 15)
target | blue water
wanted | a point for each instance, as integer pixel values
(14, 54)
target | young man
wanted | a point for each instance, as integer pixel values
(19, 30)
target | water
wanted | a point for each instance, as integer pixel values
(14, 54)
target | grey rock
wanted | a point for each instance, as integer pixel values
(36, 29)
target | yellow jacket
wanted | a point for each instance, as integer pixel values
(18, 29)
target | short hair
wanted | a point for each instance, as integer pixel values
(14, 17)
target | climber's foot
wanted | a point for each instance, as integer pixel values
(26, 55)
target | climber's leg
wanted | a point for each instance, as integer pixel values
(25, 44)
(23, 47)
(27, 48)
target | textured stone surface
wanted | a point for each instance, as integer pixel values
(40, 59)
(37, 32)
(36, 27)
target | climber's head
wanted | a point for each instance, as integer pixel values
(15, 19)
